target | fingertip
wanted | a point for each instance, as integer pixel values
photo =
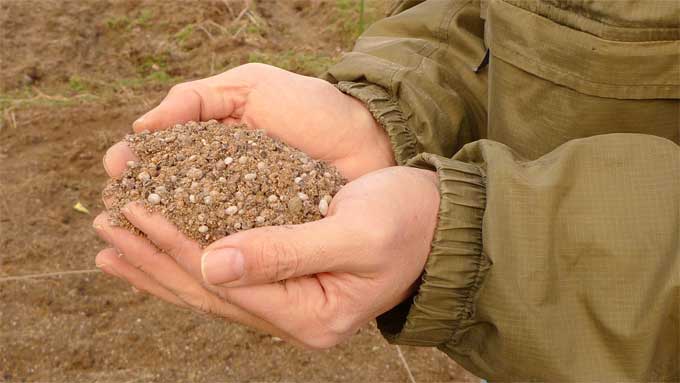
(100, 221)
(133, 210)
(105, 257)
(140, 123)
(105, 261)
(117, 158)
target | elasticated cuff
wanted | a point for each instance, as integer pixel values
(385, 109)
(456, 266)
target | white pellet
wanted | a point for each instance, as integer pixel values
(323, 207)
(154, 199)
(261, 165)
(192, 198)
(259, 219)
(143, 176)
(208, 200)
(303, 196)
(249, 176)
(231, 210)
(228, 160)
(298, 180)
(272, 198)
(131, 164)
(243, 160)
(203, 229)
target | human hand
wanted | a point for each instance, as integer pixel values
(305, 112)
(313, 284)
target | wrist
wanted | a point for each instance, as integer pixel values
(373, 149)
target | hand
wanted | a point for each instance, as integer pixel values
(304, 112)
(313, 284)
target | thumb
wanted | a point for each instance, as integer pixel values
(271, 254)
(199, 100)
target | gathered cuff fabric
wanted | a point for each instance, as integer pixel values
(385, 109)
(456, 266)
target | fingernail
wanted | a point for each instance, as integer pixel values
(105, 268)
(222, 265)
(106, 168)
(138, 122)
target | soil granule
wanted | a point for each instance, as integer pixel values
(213, 180)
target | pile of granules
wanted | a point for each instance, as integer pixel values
(212, 180)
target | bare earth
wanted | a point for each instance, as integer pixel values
(73, 77)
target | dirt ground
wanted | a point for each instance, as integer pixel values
(73, 76)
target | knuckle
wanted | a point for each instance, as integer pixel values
(321, 341)
(330, 328)
(341, 326)
(255, 66)
(277, 261)
(199, 303)
(179, 88)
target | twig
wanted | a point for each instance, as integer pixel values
(214, 24)
(201, 27)
(252, 18)
(43, 95)
(243, 12)
(405, 363)
(239, 31)
(226, 4)
(10, 118)
(14, 119)
(48, 275)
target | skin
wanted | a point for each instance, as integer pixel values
(313, 284)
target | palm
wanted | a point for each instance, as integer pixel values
(307, 113)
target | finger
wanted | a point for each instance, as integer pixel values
(142, 255)
(116, 159)
(195, 101)
(277, 253)
(166, 236)
(286, 306)
(110, 262)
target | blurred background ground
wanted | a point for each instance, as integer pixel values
(73, 77)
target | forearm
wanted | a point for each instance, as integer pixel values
(538, 268)
(415, 72)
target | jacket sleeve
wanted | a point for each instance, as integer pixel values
(564, 268)
(416, 73)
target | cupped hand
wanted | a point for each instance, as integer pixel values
(304, 112)
(313, 284)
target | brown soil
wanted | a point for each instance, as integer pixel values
(211, 180)
(73, 77)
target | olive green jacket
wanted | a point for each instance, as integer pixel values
(557, 251)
